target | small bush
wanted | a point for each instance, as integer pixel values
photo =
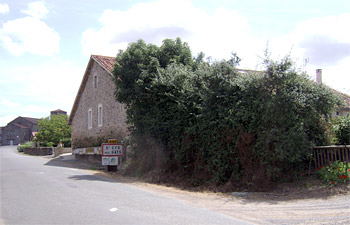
(46, 144)
(25, 145)
(337, 172)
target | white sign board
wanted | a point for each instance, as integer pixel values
(112, 150)
(105, 161)
(113, 161)
(110, 161)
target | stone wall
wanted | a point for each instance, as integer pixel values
(93, 160)
(113, 113)
(60, 151)
(38, 151)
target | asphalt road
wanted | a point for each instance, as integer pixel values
(35, 192)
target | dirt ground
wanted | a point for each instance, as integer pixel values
(305, 202)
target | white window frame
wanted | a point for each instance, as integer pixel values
(100, 115)
(90, 118)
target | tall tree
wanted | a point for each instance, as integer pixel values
(53, 129)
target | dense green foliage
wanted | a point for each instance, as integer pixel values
(212, 123)
(342, 130)
(25, 145)
(52, 129)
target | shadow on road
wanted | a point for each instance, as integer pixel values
(92, 178)
(307, 190)
(96, 172)
(69, 162)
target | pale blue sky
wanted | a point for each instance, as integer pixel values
(45, 45)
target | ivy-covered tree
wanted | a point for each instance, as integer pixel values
(342, 129)
(53, 129)
(215, 123)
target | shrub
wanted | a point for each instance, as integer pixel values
(337, 172)
(25, 145)
(216, 123)
(342, 130)
(46, 144)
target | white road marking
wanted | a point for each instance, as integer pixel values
(113, 209)
(41, 172)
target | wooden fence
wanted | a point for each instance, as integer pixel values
(324, 155)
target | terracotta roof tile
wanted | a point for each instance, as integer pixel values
(106, 62)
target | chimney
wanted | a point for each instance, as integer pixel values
(319, 76)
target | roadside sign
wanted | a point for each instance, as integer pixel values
(112, 141)
(113, 161)
(110, 161)
(112, 150)
(105, 161)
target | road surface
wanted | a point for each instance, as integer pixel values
(35, 192)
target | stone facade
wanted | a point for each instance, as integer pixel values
(19, 131)
(96, 115)
(38, 151)
(58, 112)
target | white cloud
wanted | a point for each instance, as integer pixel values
(46, 86)
(30, 34)
(6, 103)
(4, 8)
(217, 35)
(36, 10)
(4, 120)
(324, 42)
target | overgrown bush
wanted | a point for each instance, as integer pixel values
(342, 130)
(337, 172)
(218, 125)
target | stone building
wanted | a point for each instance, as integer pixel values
(96, 116)
(58, 112)
(19, 131)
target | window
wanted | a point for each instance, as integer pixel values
(95, 81)
(99, 115)
(90, 118)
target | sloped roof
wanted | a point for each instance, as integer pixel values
(107, 63)
(58, 110)
(20, 126)
(345, 97)
(32, 120)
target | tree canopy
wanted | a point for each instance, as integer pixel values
(216, 124)
(53, 129)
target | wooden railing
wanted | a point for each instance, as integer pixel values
(324, 155)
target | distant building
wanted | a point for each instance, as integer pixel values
(58, 112)
(0, 136)
(18, 131)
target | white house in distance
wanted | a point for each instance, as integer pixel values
(96, 116)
